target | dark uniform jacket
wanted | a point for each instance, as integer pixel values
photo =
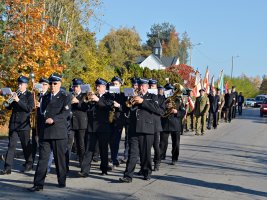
(173, 122)
(228, 100)
(57, 108)
(98, 114)
(240, 100)
(119, 117)
(141, 116)
(79, 120)
(20, 118)
(214, 103)
(40, 116)
(157, 117)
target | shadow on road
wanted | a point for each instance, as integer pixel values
(211, 185)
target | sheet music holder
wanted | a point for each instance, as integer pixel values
(86, 88)
(6, 91)
(38, 86)
(114, 89)
(153, 91)
(168, 93)
(128, 92)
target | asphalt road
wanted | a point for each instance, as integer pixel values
(227, 163)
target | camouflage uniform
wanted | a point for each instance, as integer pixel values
(190, 117)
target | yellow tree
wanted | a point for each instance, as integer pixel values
(31, 44)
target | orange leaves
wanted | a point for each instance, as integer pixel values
(32, 44)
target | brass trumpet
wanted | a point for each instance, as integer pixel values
(8, 102)
(89, 97)
(131, 102)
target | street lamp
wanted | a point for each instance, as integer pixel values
(191, 47)
(233, 65)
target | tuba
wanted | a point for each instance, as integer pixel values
(170, 102)
(89, 97)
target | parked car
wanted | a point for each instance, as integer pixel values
(259, 99)
(250, 102)
(263, 109)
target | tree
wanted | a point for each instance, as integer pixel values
(183, 48)
(263, 87)
(185, 72)
(243, 84)
(30, 43)
(160, 31)
(68, 15)
(123, 45)
(173, 45)
(86, 61)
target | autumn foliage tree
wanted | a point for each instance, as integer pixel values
(31, 44)
(185, 72)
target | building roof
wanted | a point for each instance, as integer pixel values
(140, 59)
(157, 44)
(169, 61)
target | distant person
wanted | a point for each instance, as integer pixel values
(240, 101)
(235, 103)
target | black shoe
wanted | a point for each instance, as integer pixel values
(140, 173)
(61, 185)
(147, 178)
(104, 173)
(123, 161)
(186, 130)
(95, 159)
(109, 168)
(83, 174)
(28, 168)
(197, 134)
(174, 162)
(35, 189)
(156, 167)
(202, 133)
(208, 128)
(5, 172)
(125, 180)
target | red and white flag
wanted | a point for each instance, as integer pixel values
(197, 86)
(212, 87)
(206, 81)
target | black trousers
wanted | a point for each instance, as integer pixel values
(34, 144)
(240, 109)
(212, 118)
(234, 111)
(80, 143)
(228, 114)
(70, 142)
(156, 148)
(103, 139)
(115, 139)
(59, 148)
(13, 137)
(139, 144)
(164, 136)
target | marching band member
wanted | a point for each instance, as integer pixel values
(99, 128)
(19, 126)
(141, 131)
(118, 122)
(39, 127)
(79, 119)
(158, 127)
(55, 107)
(172, 125)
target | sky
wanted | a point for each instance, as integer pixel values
(226, 29)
